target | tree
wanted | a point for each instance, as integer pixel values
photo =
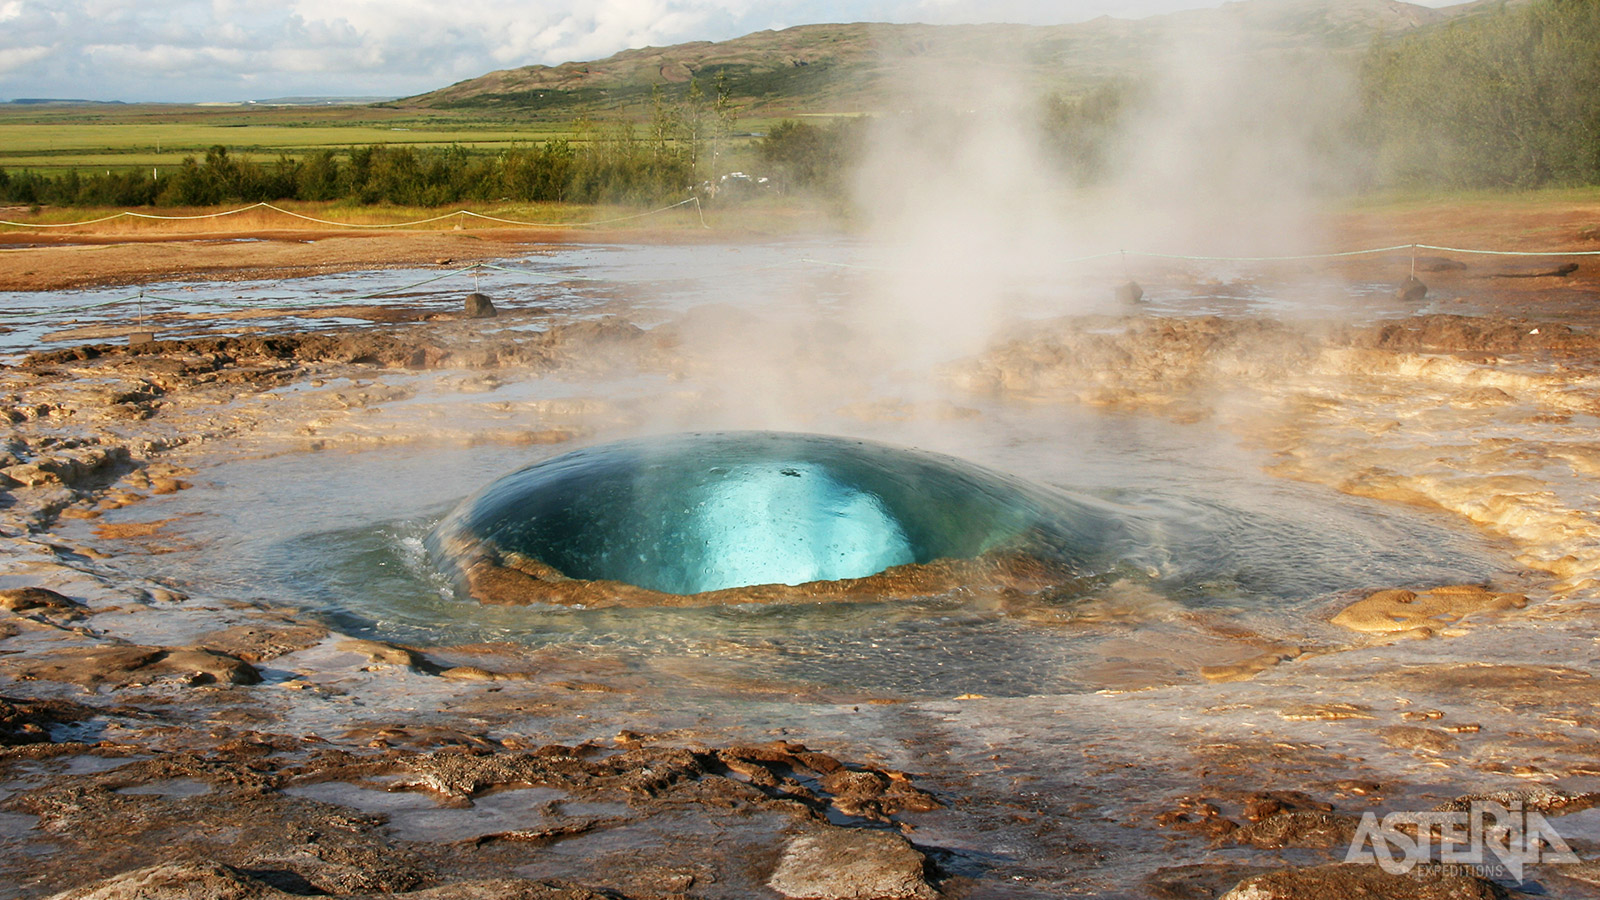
(1505, 98)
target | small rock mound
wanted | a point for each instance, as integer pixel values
(213, 881)
(1405, 611)
(29, 721)
(479, 306)
(1412, 290)
(849, 864)
(29, 599)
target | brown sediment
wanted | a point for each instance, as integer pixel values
(1388, 612)
(95, 256)
(515, 579)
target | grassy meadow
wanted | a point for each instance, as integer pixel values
(52, 140)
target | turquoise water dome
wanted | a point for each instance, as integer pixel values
(689, 513)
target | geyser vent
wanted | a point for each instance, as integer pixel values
(687, 514)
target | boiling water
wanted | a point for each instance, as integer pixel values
(1219, 544)
(685, 514)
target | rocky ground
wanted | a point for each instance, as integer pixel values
(160, 742)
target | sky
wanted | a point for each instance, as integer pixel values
(228, 50)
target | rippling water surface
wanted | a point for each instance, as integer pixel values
(344, 534)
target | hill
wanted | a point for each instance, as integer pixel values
(849, 68)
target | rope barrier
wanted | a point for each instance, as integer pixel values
(431, 219)
(700, 211)
(408, 287)
(1509, 252)
(566, 277)
(1298, 258)
(476, 267)
(1301, 257)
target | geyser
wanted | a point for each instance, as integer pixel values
(690, 514)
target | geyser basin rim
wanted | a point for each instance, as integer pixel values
(684, 519)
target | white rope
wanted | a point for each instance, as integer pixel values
(119, 215)
(1337, 255)
(700, 210)
(429, 220)
(694, 200)
(231, 212)
(1510, 252)
(318, 221)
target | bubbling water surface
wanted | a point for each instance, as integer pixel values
(685, 514)
(1185, 527)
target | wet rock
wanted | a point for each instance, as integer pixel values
(1417, 737)
(1425, 882)
(202, 666)
(1495, 686)
(259, 643)
(216, 353)
(1248, 668)
(850, 864)
(29, 599)
(1411, 290)
(1324, 712)
(66, 468)
(379, 653)
(124, 664)
(1204, 881)
(479, 306)
(1266, 804)
(1540, 799)
(509, 890)
(1298, 828)
(478, 673)
(1587, 872)
(214, 881)
(1197, 815)
(29, 721)
(1393, 611)
(177, 882)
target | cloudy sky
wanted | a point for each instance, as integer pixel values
(197, 50)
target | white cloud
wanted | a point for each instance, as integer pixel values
(11, 10)
(12, 58)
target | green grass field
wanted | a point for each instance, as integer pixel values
(145, 137)
(54, 139)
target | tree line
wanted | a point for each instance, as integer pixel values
(619, 162)
(619, 168)
(1506, 98)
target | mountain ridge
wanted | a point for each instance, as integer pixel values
(845, 67)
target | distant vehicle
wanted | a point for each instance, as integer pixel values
(735, 185)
